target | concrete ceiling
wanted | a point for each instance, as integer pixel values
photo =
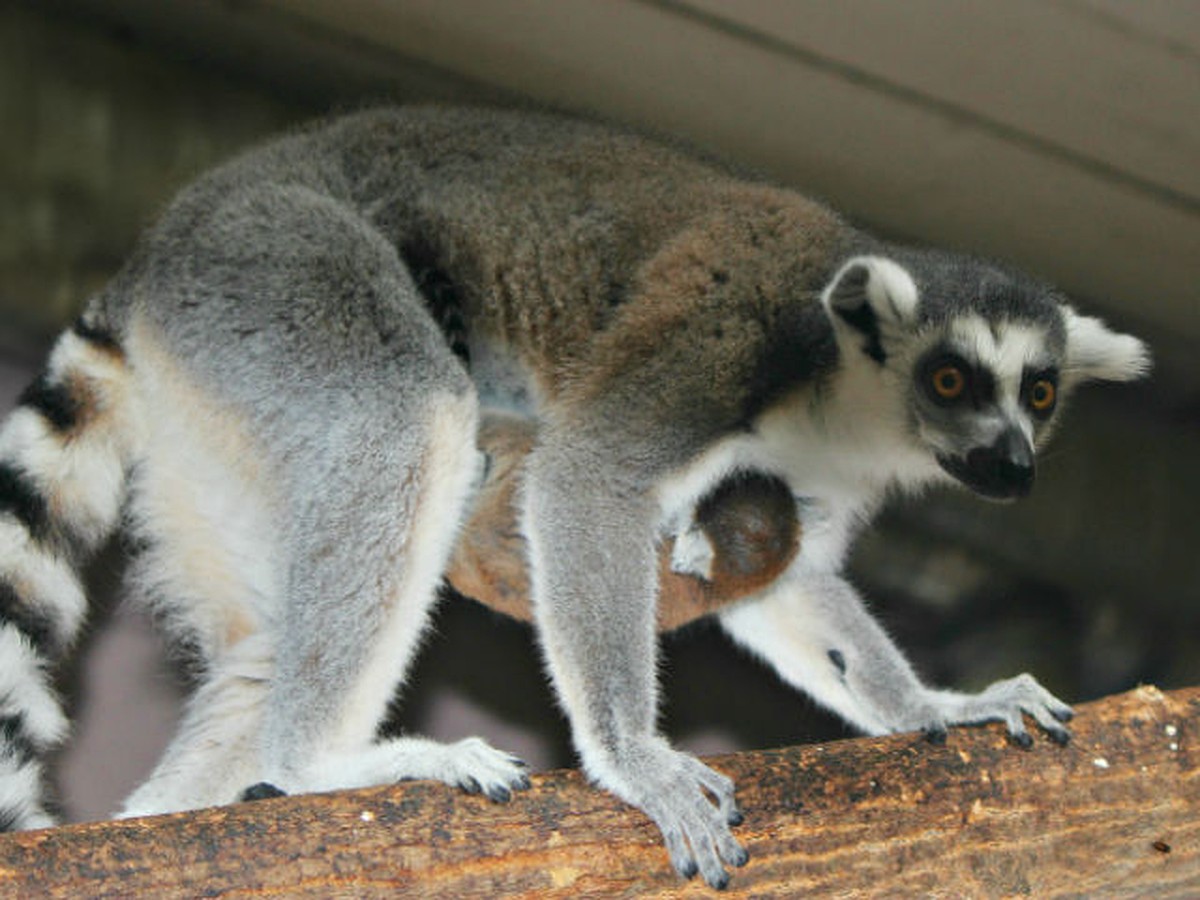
(1060, 134)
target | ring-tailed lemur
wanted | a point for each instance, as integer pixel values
(265, 396)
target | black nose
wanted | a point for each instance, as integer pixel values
(1004, 470)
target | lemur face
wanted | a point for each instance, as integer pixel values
(979, 359)
(983, 396)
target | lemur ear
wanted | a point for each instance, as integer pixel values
(1095, 352)
(872, 294)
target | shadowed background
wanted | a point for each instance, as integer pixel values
(1061, 135)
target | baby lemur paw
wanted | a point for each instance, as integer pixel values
(692, 805)
(1007, 701)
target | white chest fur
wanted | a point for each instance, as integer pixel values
(840, 454)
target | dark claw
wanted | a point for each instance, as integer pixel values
(742, 858)
(1063, 715)
(471, 786)
(721, 883)
(736, 818)
(261, 791)
(499, 794)
(689, 869)
(524, 783)
(1022, 739)
(1060, 736)
(518, 762)
(935, 734)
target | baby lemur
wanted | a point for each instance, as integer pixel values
(739, 538)
(279, 394)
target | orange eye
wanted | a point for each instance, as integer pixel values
(948, 382)
(1042, 395)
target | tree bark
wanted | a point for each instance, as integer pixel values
(1114, 814)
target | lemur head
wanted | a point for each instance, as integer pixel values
(982, 357)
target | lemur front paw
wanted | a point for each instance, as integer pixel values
(692, 805)
(1004, 701)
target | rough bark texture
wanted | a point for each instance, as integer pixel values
(1115, 814)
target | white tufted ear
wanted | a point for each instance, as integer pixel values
(1095, 352)
(872, 295)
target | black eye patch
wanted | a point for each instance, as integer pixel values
(1039, 391)
(948, 379)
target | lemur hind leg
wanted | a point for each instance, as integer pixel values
(215, 752)
(379, 467)
(222, 745)
(293, 318)
(351, 628)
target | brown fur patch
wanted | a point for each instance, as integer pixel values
(724, 320)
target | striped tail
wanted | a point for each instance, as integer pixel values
(64, 457)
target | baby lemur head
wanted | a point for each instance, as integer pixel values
(981, 356)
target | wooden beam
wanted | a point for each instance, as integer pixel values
(1116, 813)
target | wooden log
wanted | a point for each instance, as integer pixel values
(1114, 814)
